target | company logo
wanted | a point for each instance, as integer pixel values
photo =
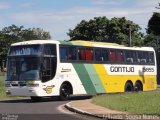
(49, 89)
(121, 69)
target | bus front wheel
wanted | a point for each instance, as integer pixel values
(64, 92)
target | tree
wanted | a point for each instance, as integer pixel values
(102, 29)
(154, 24)
(35, 34)
(152, 38)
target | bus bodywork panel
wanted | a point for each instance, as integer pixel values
(87, 77)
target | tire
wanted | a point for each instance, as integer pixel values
(138, 86)
(65, 92)
(128, 87)
(36, 99)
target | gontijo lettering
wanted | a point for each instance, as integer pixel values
(121, 69)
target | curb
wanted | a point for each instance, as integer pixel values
(73, 109)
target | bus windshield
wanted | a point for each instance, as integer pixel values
(31, 62)
(23, 68)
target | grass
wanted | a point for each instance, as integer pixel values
(2, 87)
(3, 90)
(138, 103)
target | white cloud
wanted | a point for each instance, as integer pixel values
(5, 5)
(58, 22)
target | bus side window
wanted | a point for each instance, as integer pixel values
(112, 55)
(89, 54)
(120, 56)
(63, 53)
(98, 55)
(72, 53)
(151, 58)
(142, 57)
(128, 57)
(105, 55)
(49, 49)
(81, 54)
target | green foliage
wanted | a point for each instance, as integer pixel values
(154, 24)
(153, 41)
(13, 33)
(102, 29)
(137, 103)
(153, 33)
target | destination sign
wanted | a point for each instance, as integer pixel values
(25, 50)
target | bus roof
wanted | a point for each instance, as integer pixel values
(83, 43)
(103, 44)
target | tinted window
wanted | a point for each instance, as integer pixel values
(48, 68)
(49, 49)
(105, 55)
(85, 54)
(112, 55)
(81, 53)
(98, 55)
(63, 53)
(120, 56)
(143, 57)
(130, 56)
(89, 54)
(72, 53)
(151, 58)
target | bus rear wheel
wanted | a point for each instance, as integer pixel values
(128, 87)
(65, 92)
(138, 86)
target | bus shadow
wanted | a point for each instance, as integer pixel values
(46, 99)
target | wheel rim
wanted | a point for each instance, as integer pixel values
(138, 87)
(65, 92)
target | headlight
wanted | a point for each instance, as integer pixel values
(8, 85)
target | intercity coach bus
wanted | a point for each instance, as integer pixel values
(40, 68)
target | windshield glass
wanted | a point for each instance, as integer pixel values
(23, 68)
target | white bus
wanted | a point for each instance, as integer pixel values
(40, 68)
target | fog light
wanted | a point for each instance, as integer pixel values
(8, 92)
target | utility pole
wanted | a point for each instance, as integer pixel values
(130, 35)
(129, 32)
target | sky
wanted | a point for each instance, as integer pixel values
(58, 16)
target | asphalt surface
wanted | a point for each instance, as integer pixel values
(47, 109)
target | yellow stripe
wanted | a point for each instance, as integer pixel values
(116, 83)
(102, 73)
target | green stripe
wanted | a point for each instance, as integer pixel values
(85, 79)
(95, 78)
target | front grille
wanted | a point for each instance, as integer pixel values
(15, 85)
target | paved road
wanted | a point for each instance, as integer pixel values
(45, 110)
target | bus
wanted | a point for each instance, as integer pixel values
(46, 68)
